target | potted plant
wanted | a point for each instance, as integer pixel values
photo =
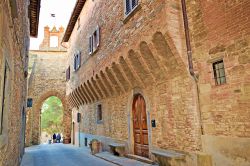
(95, 146)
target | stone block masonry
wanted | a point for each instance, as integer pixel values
(145, 53)
(47, 78)
(14, 45)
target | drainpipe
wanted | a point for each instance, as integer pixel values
(190, 62)
(189, 50)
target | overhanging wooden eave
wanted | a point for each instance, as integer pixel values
(34, 12)
(73, 19)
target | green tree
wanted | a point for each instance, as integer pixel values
(52, 116)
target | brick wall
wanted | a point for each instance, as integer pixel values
(144, 52)
(220, 30)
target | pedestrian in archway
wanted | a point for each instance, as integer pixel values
(58, 138)
(54, 138)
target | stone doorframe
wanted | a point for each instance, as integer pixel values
(130, 120)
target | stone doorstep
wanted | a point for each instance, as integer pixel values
(122, 161)
(140, 158)
(168, 154)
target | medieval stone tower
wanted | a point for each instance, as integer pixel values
(46, 79)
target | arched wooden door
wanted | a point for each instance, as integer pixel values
(140, 126)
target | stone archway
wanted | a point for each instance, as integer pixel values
(66, 112)
(34, 135)
(46, 78)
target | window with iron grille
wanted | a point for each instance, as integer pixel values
(99, 113)
(130, 6)
(68, 74)
(219, 72)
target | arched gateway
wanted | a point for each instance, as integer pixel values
(140, 128)
(46, 78)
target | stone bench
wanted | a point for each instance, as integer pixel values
(169, 158)
(117, 149)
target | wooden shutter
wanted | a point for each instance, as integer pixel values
(79, 60)
(91, 44)
(74, 66)
(68, 74)
(97, 36)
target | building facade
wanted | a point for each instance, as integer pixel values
(15, 29)
(164, 78)
(46, 78)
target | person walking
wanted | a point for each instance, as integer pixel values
(54, 138)
(58, 138)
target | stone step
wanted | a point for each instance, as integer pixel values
(121, 161)
(140, 158)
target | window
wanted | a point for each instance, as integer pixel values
(78, 23)
(53, 41)
(77, 61)
(78, 117)
(130, 5)
(5, 96)
(29, 102)
(99, 113)
(68, 74)
(219, 72)
(94, 41)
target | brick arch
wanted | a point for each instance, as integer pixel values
(66, 114)
(48, 94)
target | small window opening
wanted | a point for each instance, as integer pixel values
(219, 72)
(99, 113)
(53, 41)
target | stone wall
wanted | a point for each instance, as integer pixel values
(47, 78)
(14, 45)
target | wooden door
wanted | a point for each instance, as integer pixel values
(140, 126)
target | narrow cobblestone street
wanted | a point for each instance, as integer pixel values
(60, 155)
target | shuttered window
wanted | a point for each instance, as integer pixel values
(77, 61)
(68, 74)
(99, 113)
(130, 6)
(94, 41)
(90, 45)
